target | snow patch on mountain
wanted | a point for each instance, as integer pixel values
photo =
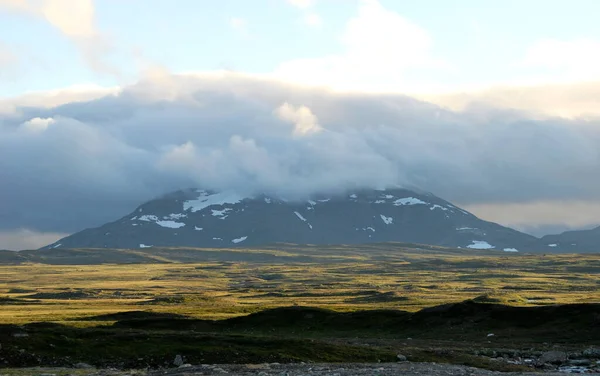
(170, 224)
(366, 229)
(409, 201)
(220, 213)
(480, 244)
(148, 218)
(435, 206)
(300, 216)
(206, 199)
(175, 216)
(239, 240)
(386, 220)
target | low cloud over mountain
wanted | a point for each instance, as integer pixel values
(83, 162)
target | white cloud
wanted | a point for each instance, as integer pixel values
(37, 125)
(7, 57)
(305, 122)
(16, 240)
(75, 20)
(380, 48)
(232, 131)
(312, 20)
(240, 25)
(8, 62)
(566, 59)
(574, 100)
(303, 4)
(564, 213)
(53, 98)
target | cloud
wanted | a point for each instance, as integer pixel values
(8, 61)
(240, 25)
(75, 20)
(93, 160)
(7, 57)
(302, 4)
(565, 60)
(305, 122)
(568, 100)
(37, 124)
(537, 216)
(312, 20)
(380, 48)
(20, 239)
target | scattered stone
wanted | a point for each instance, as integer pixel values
(401, 358)
(83, 366)
(579, 362)
(186, 365)
(178, 360)
(573, 369)
(593, 352)
(553, 357)
(257, 366)
(20, 335)
(490, 335)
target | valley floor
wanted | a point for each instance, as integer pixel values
(354, 309)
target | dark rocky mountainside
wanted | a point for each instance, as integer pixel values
(198, 218)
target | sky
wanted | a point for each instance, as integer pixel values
(107, 103)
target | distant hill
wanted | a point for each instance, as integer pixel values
(573, 241)
(199, 218)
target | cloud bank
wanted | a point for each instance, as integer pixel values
(83, 162)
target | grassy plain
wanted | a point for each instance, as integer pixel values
(62, 306)
(338, 278)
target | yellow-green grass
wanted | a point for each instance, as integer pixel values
(338, 278)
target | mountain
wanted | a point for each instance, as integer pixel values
(573, 241)
(199, 218)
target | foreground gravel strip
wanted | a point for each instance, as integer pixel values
(342, 369)
(405, 368)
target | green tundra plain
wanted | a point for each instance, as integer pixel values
(361, 303)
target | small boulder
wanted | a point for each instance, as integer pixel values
(178, 360)
(401, 358)
(553, 357)
(83, 366)
(592, 352)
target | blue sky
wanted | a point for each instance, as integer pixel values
(478, 42)
(132, 86)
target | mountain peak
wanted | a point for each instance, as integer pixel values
(204, 218)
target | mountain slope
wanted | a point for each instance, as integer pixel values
(569, 241)
(198, 218)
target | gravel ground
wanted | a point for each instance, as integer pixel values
(405, 368)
